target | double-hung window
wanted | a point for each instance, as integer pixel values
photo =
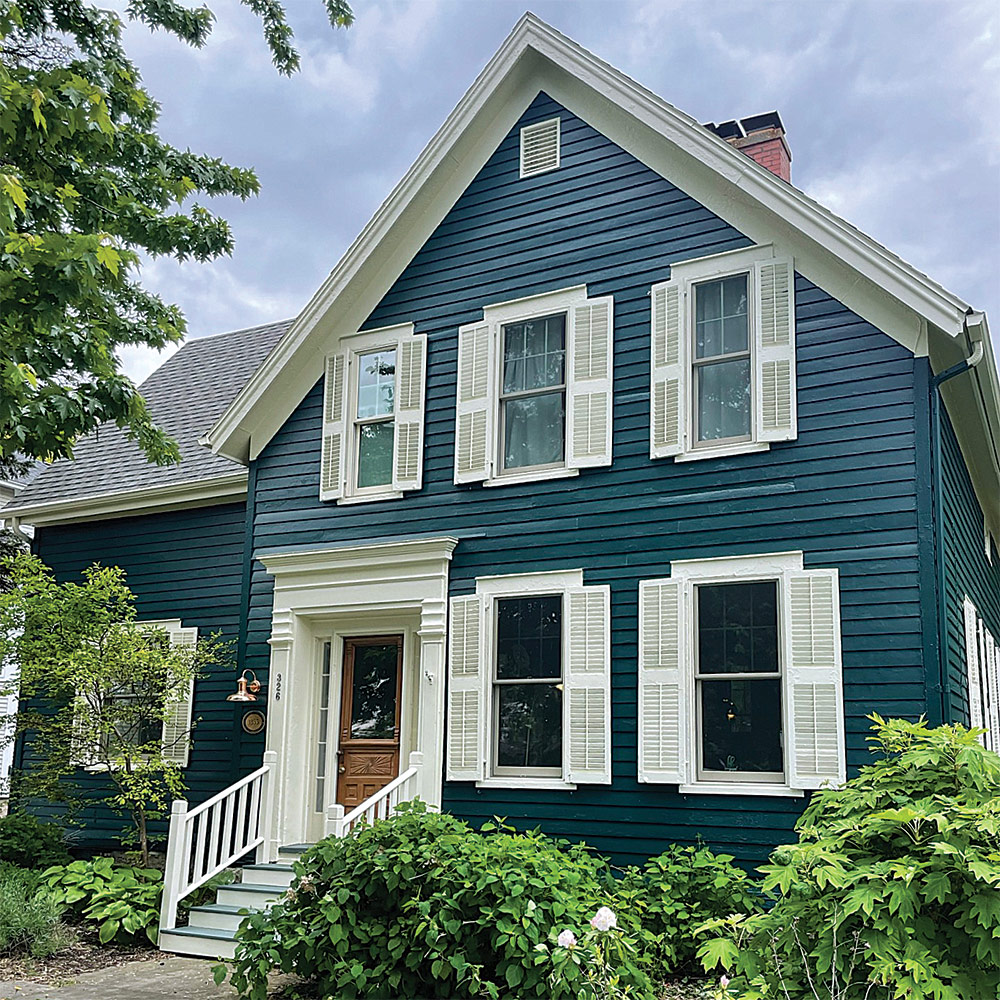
(529, 682)
(722, 356)
(982, 665)
(373, 416)
(533, 397)
(740, 686)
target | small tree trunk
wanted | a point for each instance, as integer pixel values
(140, 822)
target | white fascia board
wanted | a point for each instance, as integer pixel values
(205, 492)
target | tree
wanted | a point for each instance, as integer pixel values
(87, 188)
(11, 468)
(96, 688)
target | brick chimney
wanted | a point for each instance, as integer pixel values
(762, 138)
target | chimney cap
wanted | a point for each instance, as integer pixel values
(757, 123)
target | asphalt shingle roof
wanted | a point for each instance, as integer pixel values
(186, 395)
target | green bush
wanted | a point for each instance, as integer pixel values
(27, 842)
(422, 905)
(30, 920)
(124, 902)
(892, 889)
(677, 892)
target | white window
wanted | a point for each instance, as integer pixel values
(373, 416)
(540, 147)
(740, 681)
(982, 662)
(534, 389)
(529, 673)
(723, 356)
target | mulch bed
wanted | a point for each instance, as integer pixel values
(86, 954)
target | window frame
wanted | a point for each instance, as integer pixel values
(357, 423)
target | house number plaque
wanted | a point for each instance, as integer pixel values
(253, 722)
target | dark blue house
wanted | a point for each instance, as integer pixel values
(607, 484)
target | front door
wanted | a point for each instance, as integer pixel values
(368, 757)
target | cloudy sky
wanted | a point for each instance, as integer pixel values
(891, 108)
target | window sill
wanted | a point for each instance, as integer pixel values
(510, 781)
(743, 448)
(741, 788)
(531, 477)
(369, 498)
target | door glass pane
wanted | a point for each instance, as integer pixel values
(375, 454)
(720, 317)
(324, 726)
(534, 354)
(530, 726)
(376, 384)
(534, 430)
(529, 638)
(741, 726)
(723, 400)
(738, 628)
(373, 694)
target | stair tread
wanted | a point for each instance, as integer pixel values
(206, 932)
(295, 848)
(220, 908)
(253, 887)
(271, 866)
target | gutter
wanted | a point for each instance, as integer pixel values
(935, 383)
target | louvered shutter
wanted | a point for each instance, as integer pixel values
(177, 724)
(775, 409)
(814, 685)
(663, 692)
(993, 686)
(331, 485)
(590, 367)
(668, 378)
(408, 452)
(473, 405)
(467, 685)
(587, 687)
(972, 663)
(83, 753)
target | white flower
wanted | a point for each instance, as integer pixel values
(604, 919)
(724, 981)
(566, 939)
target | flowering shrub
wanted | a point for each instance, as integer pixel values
(422, 905)
(892, 889)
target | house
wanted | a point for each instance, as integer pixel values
(607, 484)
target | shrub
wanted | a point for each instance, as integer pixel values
(30, 921)
(891, 890)
(422, 905)
(124, 902)
(27, 842)
(677, 892)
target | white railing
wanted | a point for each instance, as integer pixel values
(381, 805)
(212, 836)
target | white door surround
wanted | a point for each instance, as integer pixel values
(398, 587)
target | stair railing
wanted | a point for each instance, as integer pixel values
(381, 805)
(209, 838)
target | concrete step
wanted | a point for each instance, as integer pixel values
(274, 874)
(248, 894)
(292, 852)
(201, 941)
(217, 917)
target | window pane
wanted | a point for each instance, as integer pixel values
(530, 726)
(724, 400)
(375, 454)
(534, 430)
(741, 725)
(734, 314)
(738, 628)
(376, 384)
(373, 694)
(534, 354)
(529, 637)
(720, 314)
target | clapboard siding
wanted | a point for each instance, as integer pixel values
(844, 492)
(184, 564)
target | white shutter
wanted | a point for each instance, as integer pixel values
(473, 406)
(663, 691)
(668, 377)
(177, 723)
(591, 354)
(408, 450)
(587, 687)
(775, 408)
(466, 690)
(83, 752)
(993, 686)
(331, 485)
(972, 663)
(814, 687)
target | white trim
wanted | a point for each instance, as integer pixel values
(531, 306)
(724, 451)
(525, 584)
(174, 496)
(509, 781)
(533, 476)
(718, 265)
(776, 789)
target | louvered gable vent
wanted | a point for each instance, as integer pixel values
(539, 147)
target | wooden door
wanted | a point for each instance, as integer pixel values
(368, 757)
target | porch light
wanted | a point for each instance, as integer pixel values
(245, 690)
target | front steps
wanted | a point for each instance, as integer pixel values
(211, 929)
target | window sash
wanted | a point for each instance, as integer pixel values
(359, 423)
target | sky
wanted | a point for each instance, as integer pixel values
(890, 106)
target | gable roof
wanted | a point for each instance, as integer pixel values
(865, 276)
(186, 394)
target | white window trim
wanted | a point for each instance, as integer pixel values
(356, 344)
(775, 789)
(494, 588)
(982, 662)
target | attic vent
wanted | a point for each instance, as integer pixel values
(539, 147)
